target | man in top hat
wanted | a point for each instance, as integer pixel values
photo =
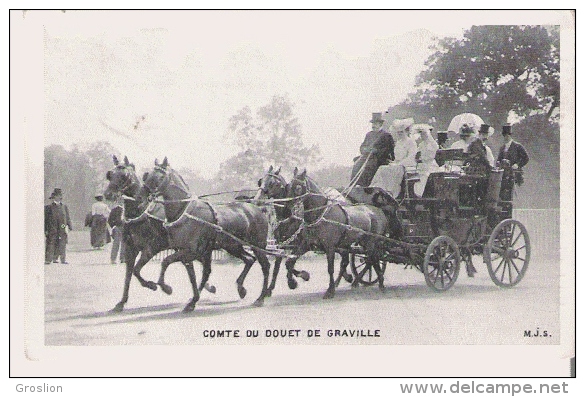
(57, 221)
(442, 137)
(100, 212)
(377, 149)
(513, 157)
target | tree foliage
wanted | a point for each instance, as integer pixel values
(270, 136)
(492, 71)
(79, 173)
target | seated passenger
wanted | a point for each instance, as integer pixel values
(426, 162)
(389, 177)
(466, 135)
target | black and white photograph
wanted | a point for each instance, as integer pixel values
(346, 193)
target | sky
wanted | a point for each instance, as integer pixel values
(165, 83)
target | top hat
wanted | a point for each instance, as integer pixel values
(377, 118)
(442, 134)
(56, 192)
(506, 129)
(98, 194)
(486, 129)
(466, 129)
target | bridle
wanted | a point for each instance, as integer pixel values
(129, 181)
(281, 184)
(167, 183)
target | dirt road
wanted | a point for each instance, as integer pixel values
(79, 296)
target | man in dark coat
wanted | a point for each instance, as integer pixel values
(377, 149)
(57, 221)
(513, 158)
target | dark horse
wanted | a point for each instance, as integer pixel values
(196, 228)
(144, 233)
(288, 230)
(333, 226)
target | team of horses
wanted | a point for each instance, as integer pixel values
(160, 213)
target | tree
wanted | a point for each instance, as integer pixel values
(271, 136)
(492, 71)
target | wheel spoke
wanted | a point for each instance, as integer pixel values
(514, 264)
(498, 268)
(511, 234)
(498, 250)
(510, 270)
(504, 270)
(517, 238)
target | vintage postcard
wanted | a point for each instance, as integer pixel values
(338, 185)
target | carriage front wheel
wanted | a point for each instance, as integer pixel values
(363, 271)
(507, 253)
(441, 264)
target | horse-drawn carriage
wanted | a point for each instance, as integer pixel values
(460, 215)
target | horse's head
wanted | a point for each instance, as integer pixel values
(163, 180)
(299, 186)
(272, 185)
(123, 179)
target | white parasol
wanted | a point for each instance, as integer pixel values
(471, 119)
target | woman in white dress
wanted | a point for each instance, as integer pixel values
(427, 164)
(389, 177)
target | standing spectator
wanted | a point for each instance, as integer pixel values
(100, 212)
(57, 221)
(377, 149)
(116, 222)
(513, 158)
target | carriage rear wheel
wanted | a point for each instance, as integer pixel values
(441, 264)
(507, 253)
(363, 271)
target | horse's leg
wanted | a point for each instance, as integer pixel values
(130, 259)
(206, 262)
(330, 269)
(277, 263)
(242, 277)
(265, 264)
(174, 257)
(191, 272)
(343, 269)
(145, 255)
(239, 252)
(290, 269)
(376, 265)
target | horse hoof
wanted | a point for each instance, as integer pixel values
(292, 283)
(268, 293)
(354, 285)
(189, 308)
(382, 288)
(259, 303)
(328, 295)
(118, 308)
(167, 289)
(211, 289)
(305, 275)
(242, 291)
(151, 285)
(348, 277)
